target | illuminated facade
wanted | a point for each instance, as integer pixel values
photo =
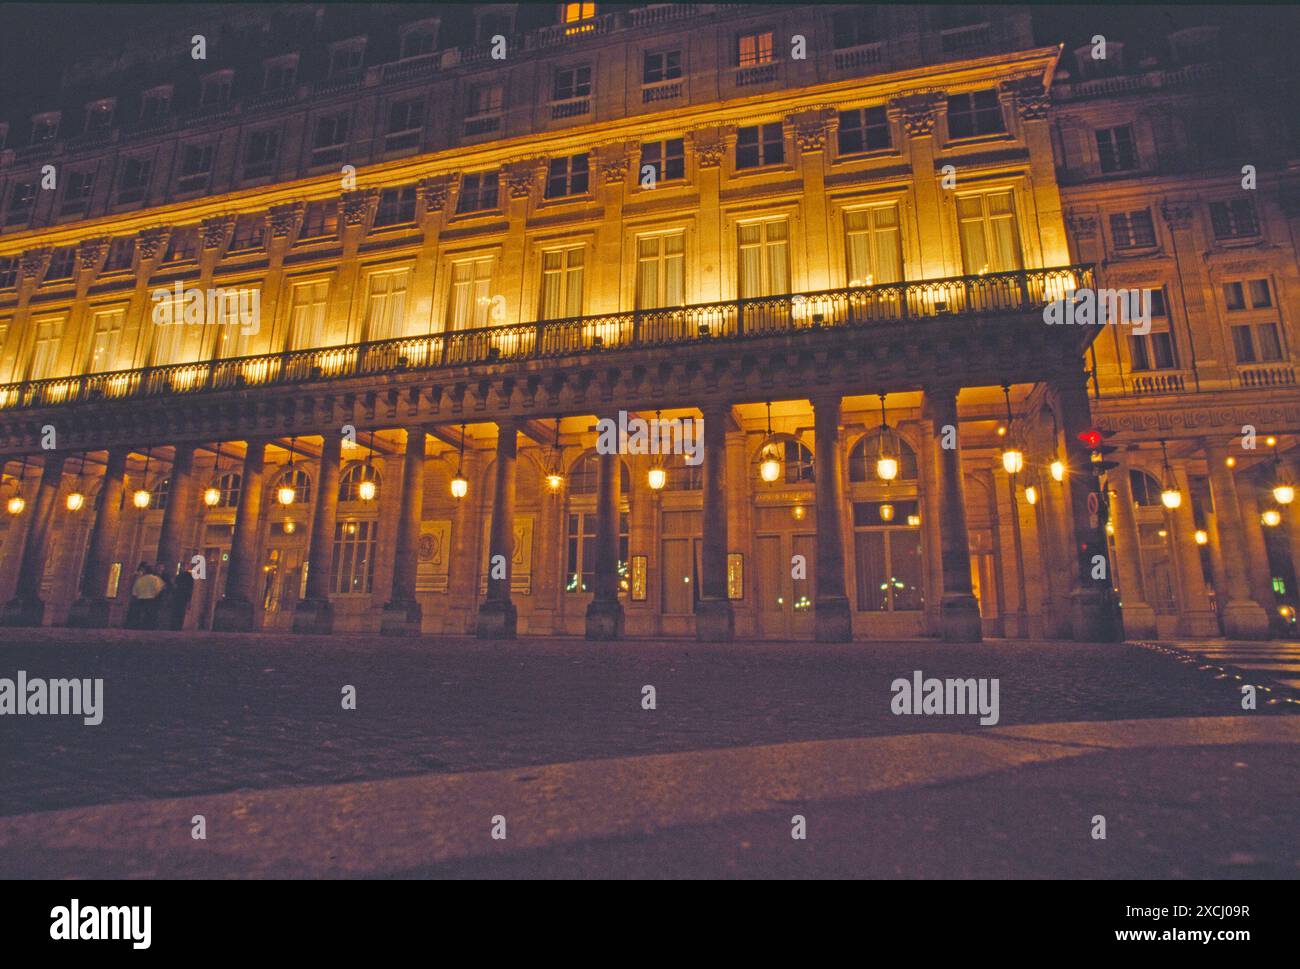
(668, 212)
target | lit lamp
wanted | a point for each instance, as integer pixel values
(140, 498)
(554, 477)
(1012, 458)
(799, 512)
(1031, 494)
(77, 497)
(887, 462)
(1057, 468)
(286, 493)
(367, 489)
(886, 512)
(459, 486)
(1271, 517)
(1283, 489)
(658, 477)
(289, 526)
(1170, 496)
(1201, 536)
(16, 505)
(769, 467)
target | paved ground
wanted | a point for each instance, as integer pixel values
(194, 716)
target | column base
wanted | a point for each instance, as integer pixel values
(1139, 621)
(1093, 618)
(234, 616)
(1244, 619)
(604, 620)
(959, 619)
(832, 620)
(496, 620)
(401, 618)
(1200, 624)
(715, 621)
(22, 612)
(89, 613)
(313, 617)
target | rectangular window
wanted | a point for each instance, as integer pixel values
(1234, 220)
(76, 192)
(888, 558)
(121, 252)
(974, 114)
(133, 182)
(418, 42)
(1268, 342)
(660, 270)
(396, 206)
(352, 569)
(485, 99)
(764, 258)
(62, 263)
(873, 246)
(48, 332)
(755, 49)
(320, 220)
(346, 60)
(196, 168)
(572, 82)
(1234, 296)
(156, 104)
(261, 152)
(1153, 351)
(405, 122)
(667, 158)
(863, 129)
(479, 192)
(853, 28)
(562, 279)
(1260, 296)
(1133, 230)
(760, 145)
(661, 66)
(182, 246)
(249, 234)
(8, 273)
(1117, 149)
(581, 549)
(308, 306)
(215, 91)
(566, 176)
(577, 12)
(105, 339)
(386, 305)
(280, 75)
(1242, 344)
(990, 237)
(471, 294)
(330, 138)
(22, 199)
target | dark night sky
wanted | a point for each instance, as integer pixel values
(36, 40)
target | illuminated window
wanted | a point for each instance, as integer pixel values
(754, 49)
(764, 258)
(352, 569)
(471, 294)
(350, 481)
(562, 280)
(1133, 230)
(1117, 149)
(660, 270)
(887, 553)
(862, 459)
(873, 246)
(990, 237)
(577, 12)
(580, 576)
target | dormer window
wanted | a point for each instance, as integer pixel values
(420, 38)
(99, 116)
(1092, 66)
(156, 103)
(493, 23)
(45, 127)
(215, 90)
(577, 17)
(280, 73)
(347, 57)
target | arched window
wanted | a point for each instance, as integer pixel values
(229, 484)
(683, 476)
(299, 480)
(159, 493)
(862, 459)
(582, 476)
(350, 482)
(1146, 489)
(795, 457)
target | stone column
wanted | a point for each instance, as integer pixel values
(1138, 616)
(91, 610)
(605, 611)
(1243, 618)
(832, 618)
(402, 615)
(959, 612)
(497, 616)
(314, 613)
(1093, 616)
(715, 622)
(1195, 617)
(237, 611)
(1259, 574)
(26, 607)
(180, 511)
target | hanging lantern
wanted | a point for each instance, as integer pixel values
(212, 494)
(1012, 458)
(1201, 536)
(1271, 517)
(887, 461)
(290, 526)
(1170, 496)
(459, 486)
(367, 489)
(77, 497)
(141, 496)
(286, 493)
(1283, 489)
(769, 465)
(554, 477)
(1057, 468)
(886, 512)
(657, 478)
(16, 505)
(1031, 494)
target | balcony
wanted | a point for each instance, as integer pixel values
(864, 55)
(1265, 375)
(859, 308)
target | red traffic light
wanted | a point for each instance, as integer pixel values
(1091, 437)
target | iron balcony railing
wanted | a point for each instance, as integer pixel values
(1018, 292)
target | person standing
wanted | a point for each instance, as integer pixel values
(179, 601)
(142, 613)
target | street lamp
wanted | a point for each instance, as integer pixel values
(141, 496)
(887, 462)
(459, 486)
(658, 474)
(367, 489)
(1031, 494)
(1170, 496)
(77, 497)
(287, 492)
(1057, 468)
(769, 467)
(554, 476)
(1013, 459)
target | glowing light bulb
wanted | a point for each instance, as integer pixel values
(1272, 518)
(1058, 470)
(16, 505)
(886, 513)
(1284, 493)
(887, 469)
(1012, 460)
(914, 520)
(1031, 495)
(799, 512)
(1171, 498)
(459, 487)
(554, 480)
(212, 497)
(75, 500)
(290, 527)
(286, 494)
(140, 499)
(366, 490)
(770, 468)
(1201, 536)
(657, 478)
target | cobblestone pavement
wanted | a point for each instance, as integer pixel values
(205, 713)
